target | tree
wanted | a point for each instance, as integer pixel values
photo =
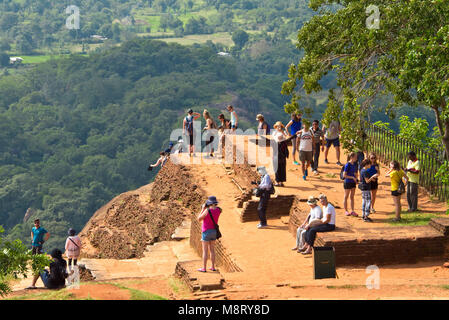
(4, 59)
(405, 57)
(15, 260)
(240, 38)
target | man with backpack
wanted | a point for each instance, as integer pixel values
(188, 129)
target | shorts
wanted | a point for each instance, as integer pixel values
(211, 139)
(374, 185)
(335, 142)
(305, 156)
(191, 139)
(37, 250)
(395, 193)
(209, 235)
(349, 185)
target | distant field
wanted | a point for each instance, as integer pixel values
(39, 59)
(221, 37)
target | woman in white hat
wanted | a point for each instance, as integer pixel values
(315, 214)
(280, 161)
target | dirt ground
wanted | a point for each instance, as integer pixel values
(271, 270)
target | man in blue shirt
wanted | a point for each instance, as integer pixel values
(37, 237)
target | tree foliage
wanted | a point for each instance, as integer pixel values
(405, 59)
(16, 260)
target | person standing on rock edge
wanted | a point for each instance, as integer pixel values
(209, 217)
(234, 119)
(296, 125)
(188, 129)
(265, 187)
(38, 236)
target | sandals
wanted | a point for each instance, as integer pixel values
(354, 214)
(306, 252)
(212, 269)
(201, 270)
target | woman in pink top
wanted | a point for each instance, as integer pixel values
(72, 248)
(209, 234)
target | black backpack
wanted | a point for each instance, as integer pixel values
(189, 125)
(342, 173)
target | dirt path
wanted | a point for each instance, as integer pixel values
(265, 255)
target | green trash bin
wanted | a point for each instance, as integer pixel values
(324, 262)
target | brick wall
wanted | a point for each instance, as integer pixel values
(380, 246)
(221, 256)
(277, 207)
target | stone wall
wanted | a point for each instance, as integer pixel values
(221, 256)
(277, 207)
(380, 246)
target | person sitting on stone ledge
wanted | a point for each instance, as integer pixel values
(325, 225)
(315, 215)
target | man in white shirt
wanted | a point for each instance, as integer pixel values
(325, 225)
(315, 214)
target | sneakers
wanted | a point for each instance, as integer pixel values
(354, 214)
(261, 226)
(315, 172)
(296, 162)
(372, 210)
(367, 219)
(325, 161)
(304, 177)
(339, 163)
(306, 173)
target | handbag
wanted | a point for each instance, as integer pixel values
(401, 187)
(217, 228)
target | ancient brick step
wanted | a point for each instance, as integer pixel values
(188, 272)
(441, 225)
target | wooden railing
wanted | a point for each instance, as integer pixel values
(388, 147)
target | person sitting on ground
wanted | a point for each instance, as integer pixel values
(296, 124)
(365, 186)
(305, 136)
(325, 225)
(72, 248)
(315, 214)
(163, 157)
(396, 174)
(264, 187)
(350, 175)
(209, 217)
(55, 278)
